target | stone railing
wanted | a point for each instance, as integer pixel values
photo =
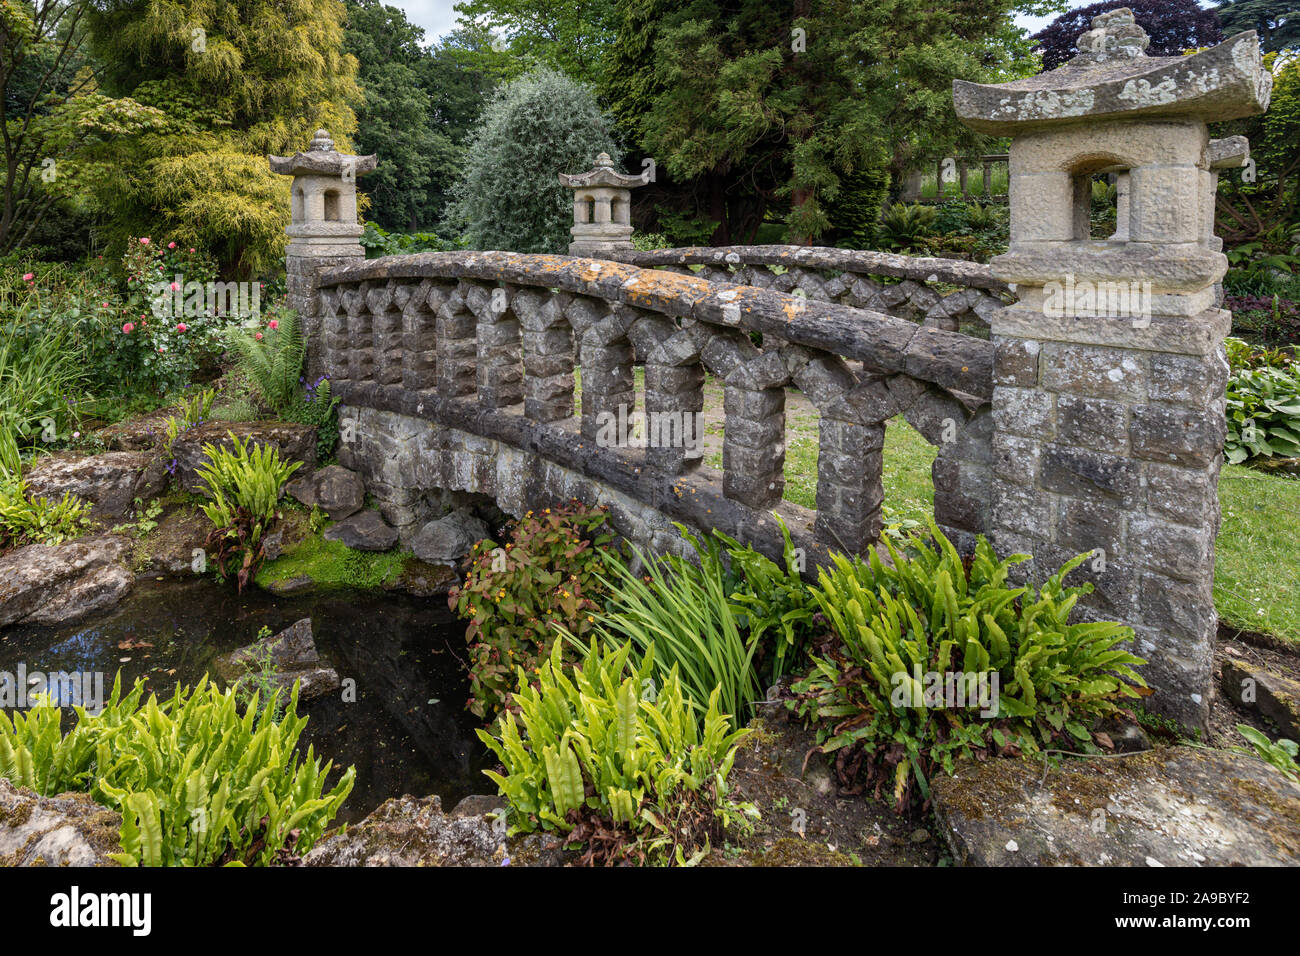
(488, 344)
(944, 293)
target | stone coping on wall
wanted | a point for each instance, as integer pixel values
(859, 261)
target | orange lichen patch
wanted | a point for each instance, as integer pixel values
(597, 270)
(651, 287)
(791, 309)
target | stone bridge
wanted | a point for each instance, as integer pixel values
(1079, 410)
(465, 365)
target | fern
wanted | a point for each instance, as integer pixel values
(196, 782)
(272, 365)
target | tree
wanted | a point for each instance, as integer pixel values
(536, 127)
(1267, 207)
(51, 112)
(238, 79)
(571, 37)
(1276, 21)
(396, 117)
(773, 104)
(1172, 25)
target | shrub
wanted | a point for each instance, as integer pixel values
(122, 327)
(534, 127)
(930, 620)
(379, 242)
(902, 226)
(270, 361)
(27, 519)
(856, 207)
(546, 575)
(244, 482)
(196, 783)
(1263, 409)
(36, 375)
(634, 774)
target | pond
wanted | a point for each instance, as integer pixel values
(407, 731)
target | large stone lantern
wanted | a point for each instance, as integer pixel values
(602, 208)
(323, 229)
(1109, 371)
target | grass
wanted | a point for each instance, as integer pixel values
(1256, 581)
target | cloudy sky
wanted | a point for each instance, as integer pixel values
(439, 16)
(436, 16)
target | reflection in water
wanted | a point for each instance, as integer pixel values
(407, 731)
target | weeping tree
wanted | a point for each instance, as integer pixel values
(536, 127)
(237, 79)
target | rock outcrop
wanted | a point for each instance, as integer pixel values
(67, 830)
(448, 539)
(334, 489)
(1173, 806)
(292, 656)
(50, 584)
(414, 831)
(110, 482)
(364, 531)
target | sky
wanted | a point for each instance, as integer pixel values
(439, 16)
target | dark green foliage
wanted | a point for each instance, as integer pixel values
(536, 127)
(855, 210)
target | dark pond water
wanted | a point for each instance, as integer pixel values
(407, 732)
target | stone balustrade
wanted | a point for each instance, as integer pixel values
(489, 344)
(944, 293)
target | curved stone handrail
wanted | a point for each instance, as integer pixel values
(848, 277)
(487, 343)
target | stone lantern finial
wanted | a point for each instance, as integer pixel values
(323, 229)
(1115, 35)
(602, 208)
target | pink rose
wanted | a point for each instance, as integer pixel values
(28, 277)
(171, 245)
(175, 286)
(180, 327)
(128, 328)
(258, 336)
(144, 240)
(273, 324)
(191, 250)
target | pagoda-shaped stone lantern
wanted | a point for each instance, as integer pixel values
(1109, 371)
(323, 229)
(602, 209)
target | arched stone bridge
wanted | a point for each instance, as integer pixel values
(1089, 421)
(460, 368)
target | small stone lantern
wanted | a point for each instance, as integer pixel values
(602, 208)
(1109, 372)
(323, 228)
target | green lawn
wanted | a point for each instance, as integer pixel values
(1256, 580)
